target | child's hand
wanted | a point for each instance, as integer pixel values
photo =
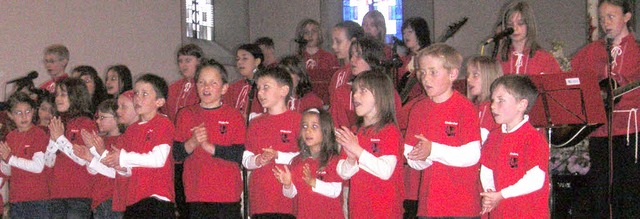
(490, 200)
(209, 148)
(267, 155)
(307, 176)
(422, 150)
(56, 128)
(199, 134)
(349, 142)
(82, 152)
(283, 176)
(5, 151)
(93, 139)
(112, 159)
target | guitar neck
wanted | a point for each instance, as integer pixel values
(626, 89)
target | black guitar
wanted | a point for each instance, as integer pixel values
(572, 135)
(405, 85)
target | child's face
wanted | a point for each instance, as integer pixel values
(62, 100)
(410, 39)
(246, 63)
(436, 80)
(146, 101)
(270, 93)
(112, 82)
(474, 81)
(340, 43)
(369, 27)
(45, 113)
(358, 64)
(126, 112)
(519, 27)
(91, 85)
(311, 34)
(311, 130)
(505, 108)
(188, 65)
(54, 64)
(210, 87)
(106, 122)
(613, 20)
(364, 103)
(22, 116)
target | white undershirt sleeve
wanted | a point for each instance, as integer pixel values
(155, 158)
(329, 189)
(416, 164)
(462, 156)
(486, 178)
(290, 192)
(530, 182)
(346, 170)
(35, 165)
(381, 167)
(249, 160)
(286, 157)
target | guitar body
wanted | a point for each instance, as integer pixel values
(571, 135)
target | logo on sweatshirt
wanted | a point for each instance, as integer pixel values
(513, 160)
(374, 145)
(450, 128)
(223, 126)
(284, 136)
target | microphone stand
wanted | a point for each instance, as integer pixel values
(609, 100)
(245, 172)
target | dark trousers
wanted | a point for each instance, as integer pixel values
(410, 209)
(204, 210)
(70, 208)
(31, 209)
(625, 198)
(150, 208)
(178, 185)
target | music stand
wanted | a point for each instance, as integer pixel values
(566, 99)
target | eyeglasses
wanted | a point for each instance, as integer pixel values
(103, 117)
(21, 113)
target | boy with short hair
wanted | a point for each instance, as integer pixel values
(150, 188)
(269, 50)
(271, 140)
(515, 159)
(443, 139)
(56, 58)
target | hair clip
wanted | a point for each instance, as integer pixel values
(314, 110)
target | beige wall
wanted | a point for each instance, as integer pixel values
(145, 34)
(141, 34)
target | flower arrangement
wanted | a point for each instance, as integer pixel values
(570, 160)
(558, 53)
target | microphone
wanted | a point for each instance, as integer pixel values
(499, 36)
(32, 75)
(397, 41)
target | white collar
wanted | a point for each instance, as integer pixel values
(504, 126)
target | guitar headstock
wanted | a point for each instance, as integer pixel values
(452, 29)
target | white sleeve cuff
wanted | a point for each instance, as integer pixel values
(381, 167)
(291, 192)
(329, 189)
(532, 181)
(486, 178)
(416, 164)
(100, 168)
(249, 160)
(346, 170)
(286, 157)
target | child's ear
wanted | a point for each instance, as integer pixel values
(225, 87)
(160, 102)
(284, 90)
(453, 74)
(522, 105)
